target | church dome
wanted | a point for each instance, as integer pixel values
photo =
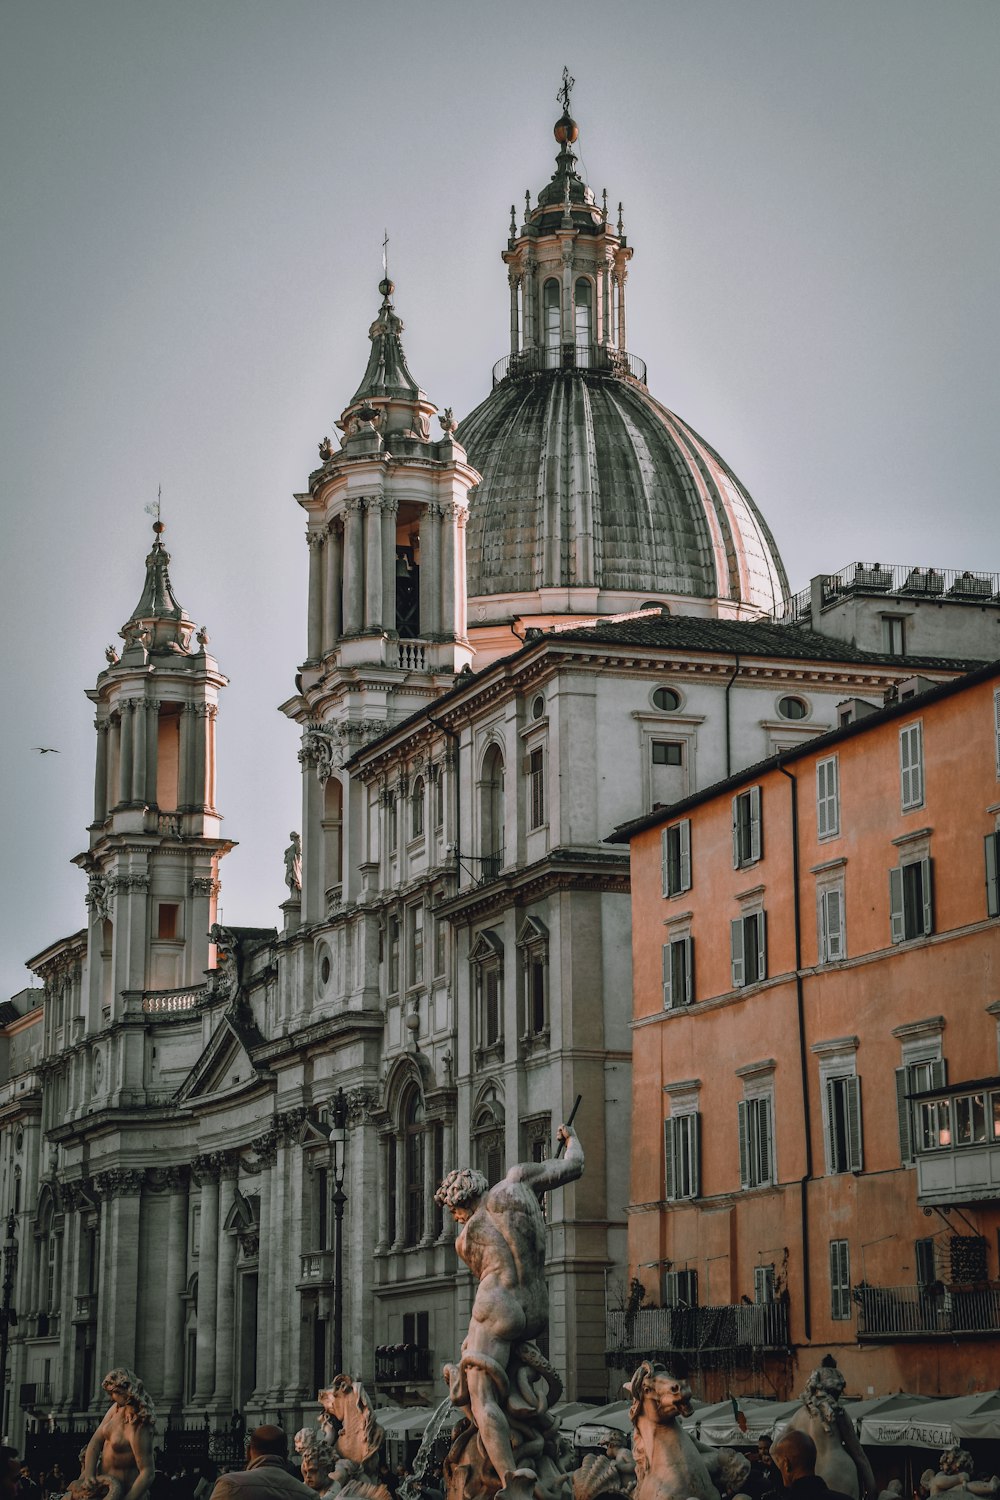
(588, 482)
(594, 497)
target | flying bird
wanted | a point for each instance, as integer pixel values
(46, 749)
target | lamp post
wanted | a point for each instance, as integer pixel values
(8, 1318)
(338, 1157)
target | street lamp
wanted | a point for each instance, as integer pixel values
(8, 1318)
(338, 1160)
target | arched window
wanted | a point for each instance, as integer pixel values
(492, 813)
(417, 808)
(551, 319)
(583, 307)
(413, 1167)
(486, 958)
(333, 823)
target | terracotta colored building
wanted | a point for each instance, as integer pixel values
(816, 1107)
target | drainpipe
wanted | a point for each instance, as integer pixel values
(736, 673)
(803, 1059)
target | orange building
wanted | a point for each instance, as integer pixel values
(816, 1105)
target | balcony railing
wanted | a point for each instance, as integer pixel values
(759, 1326)
(171, 1002)
(395, 1364)
(85, 1308)
(316, 1268)
(603, 358)
(412, 655)
(490, 866)
(902, 1312)
(894, 578)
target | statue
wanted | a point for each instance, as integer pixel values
(502, 1383)
(122, 1444)
(112, 655)
(840, 1458)
(954, 1476)
(293, 865)
(315, 1458)
(669, 1464)
(325, 450)
(448, 423)
(350, 1429)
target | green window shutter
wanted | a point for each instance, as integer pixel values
(684, 833)
(992, 879)
(736, 833)
(833, 924)
(689, 971)
(736, 951)
(853, 1112)
(896, 918)
(765, 1136)
(667, 988)
(761, 945)
(664, 863)
(832, 1085)
(903, 1117)
(927, 892)
(670, 1175)
(756, 824)
(695, 1139)
(741, 1120)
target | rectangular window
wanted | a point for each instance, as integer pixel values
(840, 1279)
(416, 945)
(748, 949)
(893, 635)
(934, 1125)
(678, 973)
(827, 798)
(668, 753)
(166, 922)
(392, 820)
(322, 1209)
(831, 925)
(489, 1002)
(843, 1124)
(393, 947)
(675, 858)
(911, 766)
(914, 1078)
(923, 1259)
(748, 842)
(536, 779)
(763, 1284)
(680, 1140)
(756, 1142)
(440, 944)
(911, 910)
(970, 1120)
(534, 979)
(992, 874)
(680, 1289)
(438, 783)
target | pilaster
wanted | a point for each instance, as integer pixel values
(176, 1285)
(315, 619)
(207, 1171)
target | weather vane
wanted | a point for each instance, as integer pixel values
(567, 88)
(153, 509)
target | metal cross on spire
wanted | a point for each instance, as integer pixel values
(385, 254)
(153, 509)
(567, 88)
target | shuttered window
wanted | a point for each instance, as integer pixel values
(911, 912)
(748, 949)
(675, 850)
(840, 1279)
(681, 1156)
(911, 766)
(748, 839)
(831, 925)
(843, 1124)
(680, 1289)
(763, 1284)
(756, 1142)
(993, 874)
(678, 973)
(915, 1078)
(827, 798)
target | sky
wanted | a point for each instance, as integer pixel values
(194, 199)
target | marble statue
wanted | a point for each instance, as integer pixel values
(669, 1464)
(122, 1445)
(840, 1458)
(348, 1432)
(502, 1384)
(315, 1458)
(293, 864)
(954, 1476)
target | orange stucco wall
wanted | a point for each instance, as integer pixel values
(954, 973)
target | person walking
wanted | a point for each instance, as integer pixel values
(266, 1475)
(794, 1455)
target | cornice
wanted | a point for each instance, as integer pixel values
(560, 870)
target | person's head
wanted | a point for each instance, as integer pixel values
(268, 1442)
(461, 1192)
(763, 1449)
(795, 1455)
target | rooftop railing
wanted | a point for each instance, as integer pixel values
(901, 579)
(603, 358)
(937, 1311)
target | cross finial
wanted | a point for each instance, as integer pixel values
(567, 88)
(385, 254)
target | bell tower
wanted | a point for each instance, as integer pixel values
(155, 839)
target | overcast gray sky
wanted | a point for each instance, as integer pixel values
(193, 201)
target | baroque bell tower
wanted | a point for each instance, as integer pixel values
(155, 839)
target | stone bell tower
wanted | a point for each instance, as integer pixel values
(387, 594)
(155, 844)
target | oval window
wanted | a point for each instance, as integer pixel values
(324, 969)
(538, 707)
(666, 699)
(793, 708)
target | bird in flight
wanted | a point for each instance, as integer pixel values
(46, 749)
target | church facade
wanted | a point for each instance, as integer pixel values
(219, 1145)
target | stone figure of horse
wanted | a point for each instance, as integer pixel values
(668, 1462)
(347, 1419)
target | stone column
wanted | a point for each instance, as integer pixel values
(430, 572)
(528, 294)
(427, 1237)
(389, 509)
(373, 564)
(461, 577)
(605, 305)
(568, 333)
(152, 749)
(207, 1171)
(264, 1147)
(225, 1300)
(381, 1197)
(185, 770)
(204, 713)
(103, 728)
(176, 1284)
(278, 1306)
(121, 1190)
(449, 536)
(353, 568)
(125, 752)
(314, 648)
(397, 1243)
(514, 281)
(139, 751)
(622, 328)
(331, 595)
